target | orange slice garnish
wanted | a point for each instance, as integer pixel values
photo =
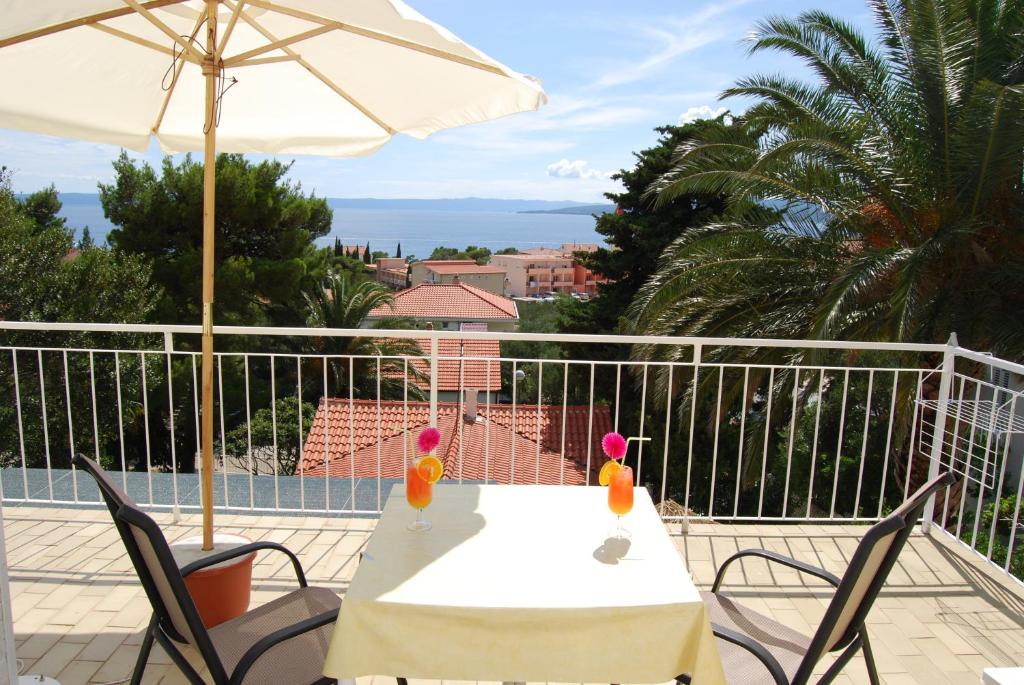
(430, 468)
(607, 471)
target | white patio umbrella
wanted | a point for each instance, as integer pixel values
(325, 77)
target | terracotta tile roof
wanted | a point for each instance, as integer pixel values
(539, 255)
(472, 449)
(454, 374)
(579, 247)
(457, 372)
(459, 301)
(474, 268)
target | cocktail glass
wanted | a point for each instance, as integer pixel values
(620, 499)
(418, 493)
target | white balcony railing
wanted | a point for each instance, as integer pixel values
(816, 431)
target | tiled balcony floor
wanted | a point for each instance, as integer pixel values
(79, 611)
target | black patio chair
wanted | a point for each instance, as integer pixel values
(756, 649)
(282, 642)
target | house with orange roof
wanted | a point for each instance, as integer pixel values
(484, 276)
(448, 307)
(495, 443)
(392, 272)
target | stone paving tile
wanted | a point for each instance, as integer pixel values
(79, 611)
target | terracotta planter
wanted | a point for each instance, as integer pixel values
(220, 592)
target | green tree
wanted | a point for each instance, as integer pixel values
(86, 241)
(43, 279)
(507, 250)
(640, 230)
(398, 250)
(265, 228)
(442, 252)
(481, 255)
(267, 443)
(340, 302)
(879, 201)
(43, 208)
(366, 253)
(897, 174)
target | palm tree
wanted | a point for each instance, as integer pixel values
(341, 302)
(882, 201)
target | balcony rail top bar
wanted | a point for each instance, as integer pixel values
(488, 335)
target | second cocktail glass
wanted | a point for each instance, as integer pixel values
(620, 498)
(421, 475)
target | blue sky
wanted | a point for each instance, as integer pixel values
(613, 71)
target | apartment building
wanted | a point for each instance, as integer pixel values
(543, 270)
(392, 272)
(446, 271)
(529, 274)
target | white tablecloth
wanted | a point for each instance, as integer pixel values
(519, 583)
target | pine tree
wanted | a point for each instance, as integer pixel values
(398, 252)
(366, 254)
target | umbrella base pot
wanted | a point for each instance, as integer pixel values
(221, 592)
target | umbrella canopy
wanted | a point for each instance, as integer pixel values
(272, 76)
(318, 77)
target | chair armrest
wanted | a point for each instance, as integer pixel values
(763, 655)
(830, 578)
(264, 644)
(246, 549)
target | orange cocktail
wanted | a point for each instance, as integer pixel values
(418, 493)
(620, 497)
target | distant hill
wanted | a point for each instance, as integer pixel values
(575, 209)
(462, 204)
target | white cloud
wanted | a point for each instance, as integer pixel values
(673, 45)
(552, 129)
(579, 168)
(672, 37)
(703, 112)
(37, 160)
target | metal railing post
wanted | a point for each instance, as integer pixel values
(168, 350)
(433, 380)
(945, 384)
(698, 350)
(8, 660)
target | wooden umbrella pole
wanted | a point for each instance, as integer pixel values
(209, 199)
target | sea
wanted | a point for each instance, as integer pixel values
(418, 230)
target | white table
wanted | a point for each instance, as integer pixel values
(518, 583)
(1003, 676)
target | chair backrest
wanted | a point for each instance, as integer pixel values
(113, 496)
(158, 572)
(869, 567)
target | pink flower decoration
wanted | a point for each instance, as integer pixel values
(614, 445)
(429, 439)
